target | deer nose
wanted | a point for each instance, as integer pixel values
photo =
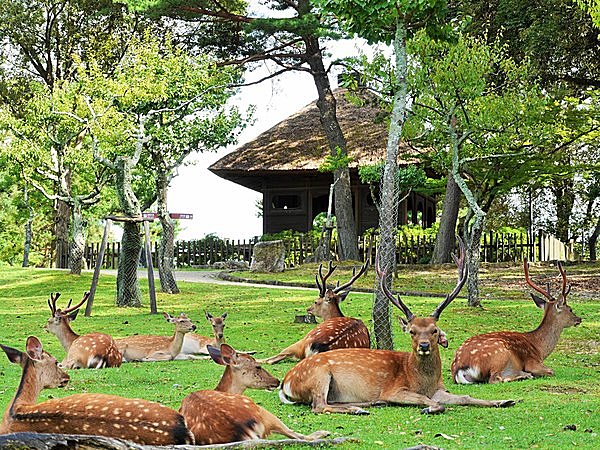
(193, 327)
(424, 347)
(220, 335)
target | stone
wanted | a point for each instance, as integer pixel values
(268, 256)
(231, 264)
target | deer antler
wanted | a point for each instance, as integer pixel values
(396, 301)
(355, 277)
(323, 287)
(52, 302)
(462, 278)
(565, 289)
(545, 293)
(68, 309)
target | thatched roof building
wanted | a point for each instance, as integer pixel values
(283, 163)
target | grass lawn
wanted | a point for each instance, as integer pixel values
(261, 319)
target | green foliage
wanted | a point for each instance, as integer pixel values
(335, 162)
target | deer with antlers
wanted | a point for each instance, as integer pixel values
(147, 348)
(508, 355)
(93, 350)
(336, 330)
(225, 415)
(195, 344)
(137, 420)
(345, 381)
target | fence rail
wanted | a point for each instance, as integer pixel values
(495, 247)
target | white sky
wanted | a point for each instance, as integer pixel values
(226, 208)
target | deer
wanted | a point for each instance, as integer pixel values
(93, 350)
(336, 330)
(347, 380)
(195, 344)
(225, 415)
(137, 420)
(147, 348)
(504, 356)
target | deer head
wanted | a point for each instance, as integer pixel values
(327, 304)
(242, 371)
(182, 323)
(62, 317)
(45, 366)
(554, 308)
(218, 325)
(424, 332)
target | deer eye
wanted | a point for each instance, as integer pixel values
(412, 332)
(434, 331)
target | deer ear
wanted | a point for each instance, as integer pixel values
(34, 348)
(215, 354)
(539, 301)
(224, 316)
(72, 316)
(442, 339)
(403, 324)
(229, 354)
(208, 315)
(14, 356)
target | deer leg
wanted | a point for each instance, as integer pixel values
(447, 398)
(158, 356)
(404, 397)
(274, 425)
(293, 351)
(319, 400)
(537, 369)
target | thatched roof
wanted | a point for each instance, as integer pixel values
(298, 143)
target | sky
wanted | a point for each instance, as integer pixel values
(226, 208)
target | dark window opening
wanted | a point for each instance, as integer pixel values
(288, 201)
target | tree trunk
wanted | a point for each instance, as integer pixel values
(344, 213)
(565, 199)
(473, 239)
(388, 218)
(77, 247)
(444, 241)
(28, 228)
(166, 249)
(62, 214)
(128, 289)
(593, 241)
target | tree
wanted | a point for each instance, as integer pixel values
(40, 39)
(291, 44)
(392, 23)
(446, 236)
(158, 106)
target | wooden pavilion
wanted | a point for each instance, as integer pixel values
(282, 163)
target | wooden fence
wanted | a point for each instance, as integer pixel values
(495, 247)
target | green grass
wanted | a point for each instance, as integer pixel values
(261, 319)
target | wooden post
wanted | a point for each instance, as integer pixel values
(148, 247)
(99, 259)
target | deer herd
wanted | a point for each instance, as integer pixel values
(337, 371)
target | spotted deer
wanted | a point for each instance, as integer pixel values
(147, 348)
(336, 330)
(93, 350)
(224, 414)
(346, 380)
(509, 355)
(137, 420)
(195, 344)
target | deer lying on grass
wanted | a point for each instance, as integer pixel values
(93, 350)
(195, 344)
(137, 420)
(336, 330)
(508, 355)
(156, 348)
(345, 381)
(225, 415)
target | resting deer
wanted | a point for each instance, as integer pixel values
(508, 355)
(156, 348)
(195, 344)
(345, 381)
(137, 420)
(93, 350)
(225, 415)
(336, 331)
